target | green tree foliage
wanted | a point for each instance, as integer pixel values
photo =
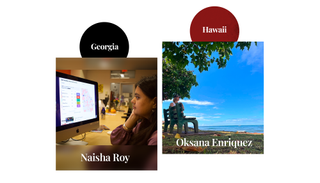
(200, 53)
(176, 81)
(177, 55)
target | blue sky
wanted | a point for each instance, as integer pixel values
(229, 96)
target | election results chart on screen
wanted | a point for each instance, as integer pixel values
(77, 101)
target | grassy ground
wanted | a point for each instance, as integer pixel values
(170, 143)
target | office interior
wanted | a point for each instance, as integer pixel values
(118, 77)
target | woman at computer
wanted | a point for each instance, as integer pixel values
(141, 126)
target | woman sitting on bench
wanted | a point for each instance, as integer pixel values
(176, 99)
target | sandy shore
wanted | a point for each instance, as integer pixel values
(203, 132)
(251, 133)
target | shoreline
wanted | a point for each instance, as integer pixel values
(236, 132)
(191, 131)
(250, 133)
(207, 132)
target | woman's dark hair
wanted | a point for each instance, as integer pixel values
(148, 85)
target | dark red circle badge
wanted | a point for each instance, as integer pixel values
(214, 24)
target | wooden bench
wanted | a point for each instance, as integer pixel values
(174, 115)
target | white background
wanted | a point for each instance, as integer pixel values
(33, 34)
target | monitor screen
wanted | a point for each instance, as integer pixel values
(76, 105)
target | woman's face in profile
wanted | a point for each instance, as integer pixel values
(142, 105)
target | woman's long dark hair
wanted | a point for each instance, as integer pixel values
(148, 85)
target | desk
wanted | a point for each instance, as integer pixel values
(111, 121)
(68, 157)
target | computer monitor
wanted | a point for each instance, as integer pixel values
(76, 106)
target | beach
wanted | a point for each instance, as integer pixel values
(212, 142)
(235, 128)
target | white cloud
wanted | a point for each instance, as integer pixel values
(201, 116)
(236, 120)
(195, 114)
(194, 102)
(243, 121)
(215, 107)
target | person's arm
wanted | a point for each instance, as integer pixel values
(182, 105)
(131, 122)
(123, 133)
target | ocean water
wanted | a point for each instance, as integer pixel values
(234, 128)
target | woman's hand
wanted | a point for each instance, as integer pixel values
(132, 120)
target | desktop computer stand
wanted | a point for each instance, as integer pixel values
(73, 142)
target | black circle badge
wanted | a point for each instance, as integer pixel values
(104, 40)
